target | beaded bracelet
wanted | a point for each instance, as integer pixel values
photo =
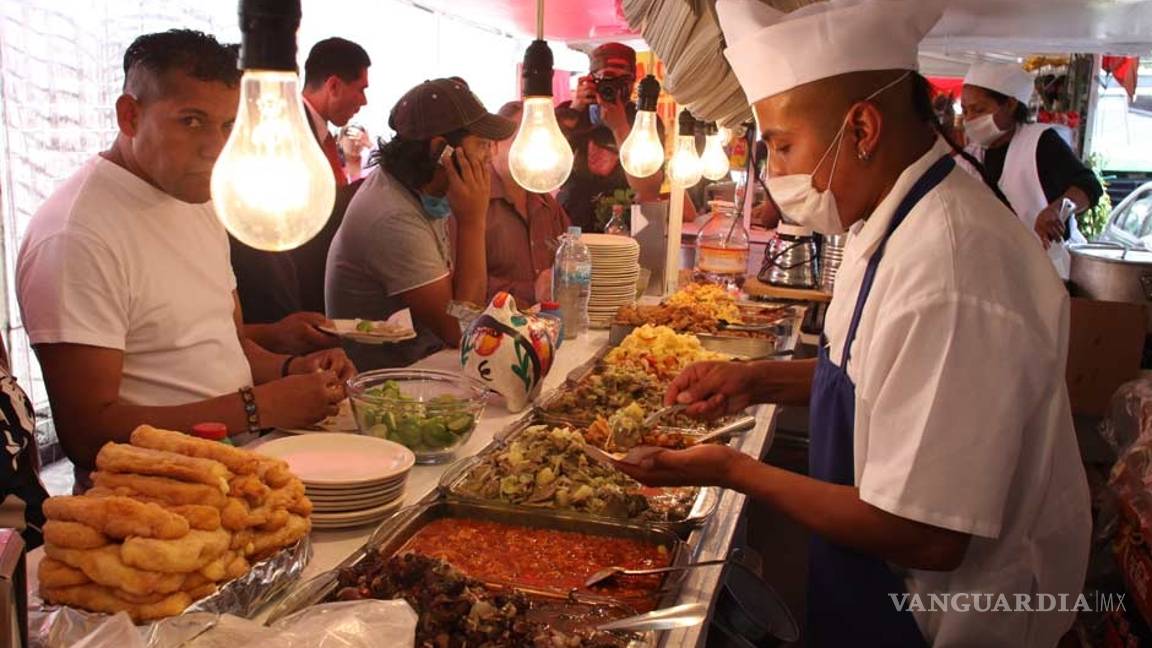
(250, 411)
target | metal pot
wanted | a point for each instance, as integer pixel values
(790, 260)
(1110, 272)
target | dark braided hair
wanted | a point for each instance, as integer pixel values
(922, 99)
(409, 160)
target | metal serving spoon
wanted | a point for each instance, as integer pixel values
(612, 572)
(653, 418)
(680, 616)
(737, 427)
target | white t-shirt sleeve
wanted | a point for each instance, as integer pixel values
(72, 289)
(946, 390)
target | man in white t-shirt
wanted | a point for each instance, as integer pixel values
(124, 279)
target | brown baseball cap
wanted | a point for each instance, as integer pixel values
(440, 106)
(620, 52)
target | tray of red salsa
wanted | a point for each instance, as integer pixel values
(540, 554)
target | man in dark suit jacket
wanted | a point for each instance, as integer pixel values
(287, 288)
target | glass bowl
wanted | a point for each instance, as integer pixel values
(432, 413)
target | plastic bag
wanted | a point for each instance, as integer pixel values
(344, 624)
(1129, 420)
(350, 624)
(117, 631)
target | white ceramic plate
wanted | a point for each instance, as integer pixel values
(341, 459)
(399, 329)
(335, 497)
(366, 486)
(357, 517)
(608, 241)
(349, 506)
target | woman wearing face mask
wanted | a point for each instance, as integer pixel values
(1030, 163)
(942, 463)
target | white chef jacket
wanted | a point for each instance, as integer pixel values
(1020, 182)
(962, 414)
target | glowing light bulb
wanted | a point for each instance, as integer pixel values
(272, 186)
(684, 168)
(714, 161)
(642, 153)
(540, 157)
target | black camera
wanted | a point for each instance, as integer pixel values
(611, 88)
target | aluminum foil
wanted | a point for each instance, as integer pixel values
(53, 626)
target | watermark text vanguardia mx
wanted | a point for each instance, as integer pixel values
(990, 602)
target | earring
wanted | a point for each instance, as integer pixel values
(863, 155)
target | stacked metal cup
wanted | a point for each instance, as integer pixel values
(831, 254)
(790, 260)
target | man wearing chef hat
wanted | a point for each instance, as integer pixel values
(1033, 166)
(943, 459)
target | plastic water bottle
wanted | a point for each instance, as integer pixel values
(572, 282)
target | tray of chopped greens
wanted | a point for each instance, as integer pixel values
(539, 466)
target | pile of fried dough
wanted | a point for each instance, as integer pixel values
(170, 518)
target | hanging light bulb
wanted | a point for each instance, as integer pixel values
(540, 157)
(714, 161)
(684, 167)
(272, 186)
(642, 153)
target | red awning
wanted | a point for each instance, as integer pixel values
(947, 85)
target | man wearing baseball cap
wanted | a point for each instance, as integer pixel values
(596, 122)
(393, 251)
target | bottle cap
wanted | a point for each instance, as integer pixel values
(210, 431)
(549, 306)
(574, 230)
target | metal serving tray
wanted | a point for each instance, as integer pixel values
(702, 507)
(394, 533)
(540, 409)
(784, 334)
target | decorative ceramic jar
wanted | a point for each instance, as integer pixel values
(509, 351)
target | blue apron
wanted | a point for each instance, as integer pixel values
(848, 592)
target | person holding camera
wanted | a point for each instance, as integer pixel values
(596, 122)
(394, 250)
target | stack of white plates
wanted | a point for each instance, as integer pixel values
(352, 479)
(615, 271)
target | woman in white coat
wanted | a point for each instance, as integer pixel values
(1031, 164)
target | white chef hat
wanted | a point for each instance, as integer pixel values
(772, 51)
(1005, 78)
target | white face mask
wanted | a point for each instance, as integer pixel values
(803, 203)
(982, 131)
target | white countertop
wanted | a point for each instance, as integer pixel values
(713, 540)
